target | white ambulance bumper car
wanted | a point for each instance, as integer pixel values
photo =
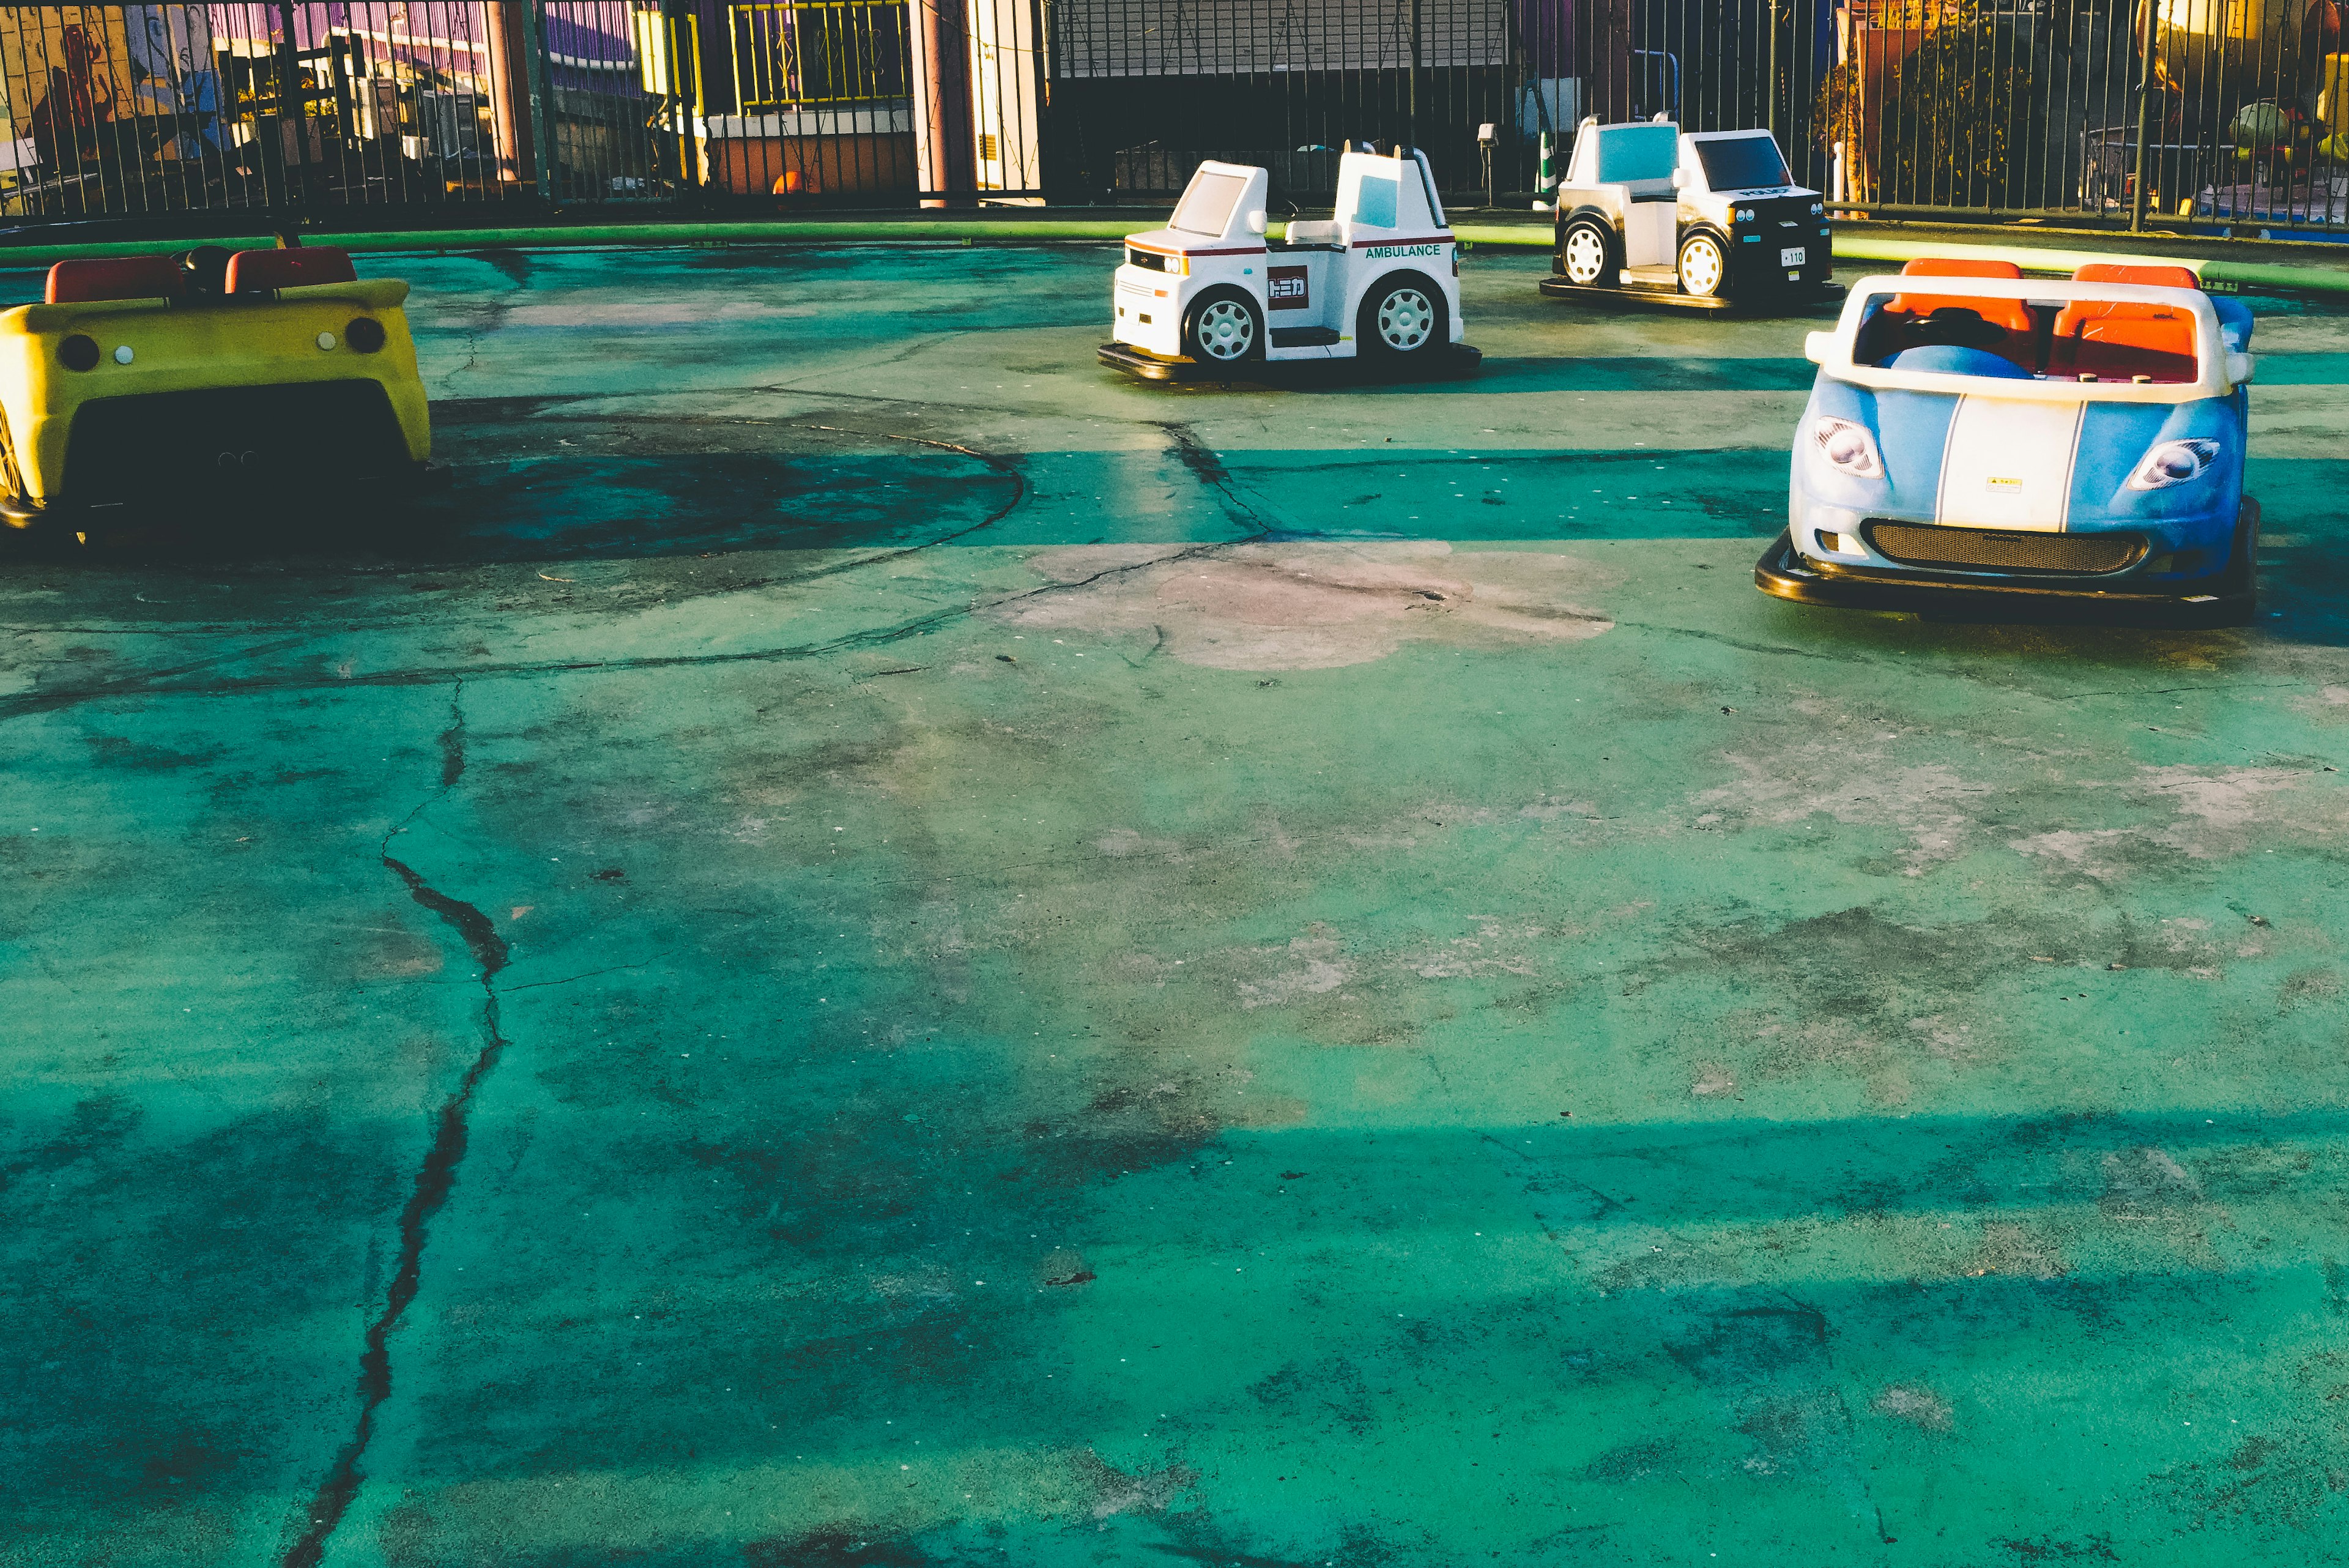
(1211, 296)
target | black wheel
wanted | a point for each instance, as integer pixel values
(1222, 327)
(1402, 314)
(1586, 254)
(2239, 582)
(1703, 266)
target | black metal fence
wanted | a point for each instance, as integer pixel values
(2215, 115)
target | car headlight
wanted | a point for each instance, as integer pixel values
(1847, 447)
(1744, 214)
(2174, 462)
(1817, 208)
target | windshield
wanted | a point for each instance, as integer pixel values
(1207, 206)
(1629, 153)
(1742, 163)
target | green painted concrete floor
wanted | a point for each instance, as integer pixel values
(872, 947)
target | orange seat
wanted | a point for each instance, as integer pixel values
(2118, 340)
(2011, 314)
(2125, 272)
(258, 272)
(93, 278)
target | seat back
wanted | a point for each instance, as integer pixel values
(2132, 272)
(259, 272)
(2116, 341)
(91, 279)
(2010, 315)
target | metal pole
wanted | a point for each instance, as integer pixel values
(292, 112)
(1411, 120)
(542, 99)
(2144, 114)
(945, 135)
(514, 70)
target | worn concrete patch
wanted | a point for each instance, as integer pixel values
(1311, 606)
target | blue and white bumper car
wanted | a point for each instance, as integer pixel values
(2068, 442)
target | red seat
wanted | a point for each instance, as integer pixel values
(258, 272)
(2115, 340)
(2010, 315)
(92, 278)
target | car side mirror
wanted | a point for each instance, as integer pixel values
(1817, 346)
(1680, 179)
(2240, 367)
(1255, 222)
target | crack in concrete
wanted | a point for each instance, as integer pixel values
(1746, 646)
(141, 681)
(434, 1180)
(574, 979)
(1209, 471)
(879, 636)
(2173, 690)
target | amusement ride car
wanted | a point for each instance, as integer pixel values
(2079, 440)
(1378, 282)
(152, 386)
(1703, 219)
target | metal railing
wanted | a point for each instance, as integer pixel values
(807, 52)
(1143, 88)
(155, 110)
(2218, 117)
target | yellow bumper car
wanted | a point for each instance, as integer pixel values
(145, 389)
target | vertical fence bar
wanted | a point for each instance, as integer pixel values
(1418, 33)
(542, 95)
(287, 132)
(2144, 113)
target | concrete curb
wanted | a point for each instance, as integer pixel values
(2297, 278)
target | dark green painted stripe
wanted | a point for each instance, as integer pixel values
(2300, 370)
(1626, 494)
(1659, 373)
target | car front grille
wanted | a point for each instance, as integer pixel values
(1988, 550)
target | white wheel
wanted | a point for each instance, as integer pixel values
(1586, 255)
(1703, 266)
(1225, 330)
(1405, 319)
